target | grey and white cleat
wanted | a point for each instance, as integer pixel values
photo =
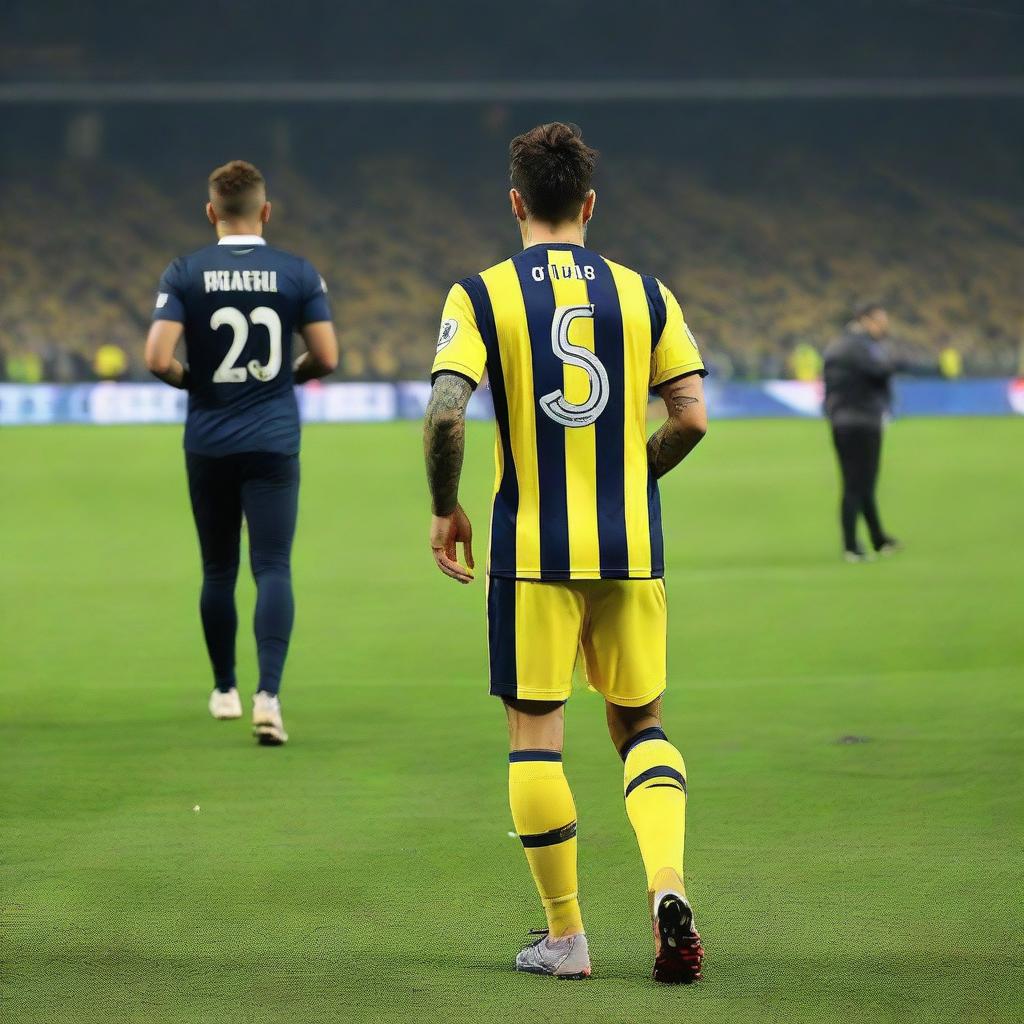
(567, 959)
(224, 705)
(857, 556)
(267, 726)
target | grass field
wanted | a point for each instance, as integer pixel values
(365, 872)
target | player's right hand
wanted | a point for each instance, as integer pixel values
(445, 533)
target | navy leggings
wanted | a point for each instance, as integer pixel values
(859, 450)
(265, 488)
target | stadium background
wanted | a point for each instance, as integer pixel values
(852, 733)
(820, 156)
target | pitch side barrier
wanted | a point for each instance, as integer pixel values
(357, 402)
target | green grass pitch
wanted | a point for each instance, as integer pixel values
(365, 872)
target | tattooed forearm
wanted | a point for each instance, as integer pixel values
(444, 437)
(684, 428)
(667, 447)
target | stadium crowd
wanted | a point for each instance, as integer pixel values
(766, 266)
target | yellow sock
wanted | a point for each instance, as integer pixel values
(545, 818)
(655, 785)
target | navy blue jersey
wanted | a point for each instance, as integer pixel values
(241, 301)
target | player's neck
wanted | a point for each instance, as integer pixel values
(535, 233)
(227, 228)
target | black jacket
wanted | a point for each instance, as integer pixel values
(858, 372)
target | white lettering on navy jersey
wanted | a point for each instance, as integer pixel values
(240, 280)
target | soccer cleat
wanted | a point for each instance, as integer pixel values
(856, 555)
(267, 726)
(889, 546)
(678, 953)
(567, 959)
(224, 705)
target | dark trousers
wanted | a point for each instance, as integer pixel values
(265, 488)
(859, 450)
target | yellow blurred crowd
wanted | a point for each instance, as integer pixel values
(765, 277)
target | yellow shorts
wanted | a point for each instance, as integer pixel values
(536, 630)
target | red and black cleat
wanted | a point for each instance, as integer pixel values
(678, 954)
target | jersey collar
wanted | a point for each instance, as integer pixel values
(242, 240)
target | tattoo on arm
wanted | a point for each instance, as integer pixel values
(444, 438)
(666, 449)
(681, 401)
(682, 431)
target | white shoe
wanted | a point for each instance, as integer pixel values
(267, 726)
(568, 958)
(225, 705)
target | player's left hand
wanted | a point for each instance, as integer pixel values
(445, 533)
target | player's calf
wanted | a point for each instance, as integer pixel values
(654, 780)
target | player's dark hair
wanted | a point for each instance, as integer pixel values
(551, 167)
(866, 307)
(237, 189)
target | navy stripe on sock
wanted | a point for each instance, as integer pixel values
(552, 838)
(659, 771)
(534, 755)
(653, 733)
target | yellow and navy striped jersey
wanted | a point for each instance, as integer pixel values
(572, 344)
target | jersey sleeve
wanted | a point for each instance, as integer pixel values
(460, 348)
(315, 306)
(675, 353)
(170, 296)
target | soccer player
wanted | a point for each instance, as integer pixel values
(572, 344)
(236, 306)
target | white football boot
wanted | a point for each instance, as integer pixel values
(225, 705)
(567, 959)
(267, 726)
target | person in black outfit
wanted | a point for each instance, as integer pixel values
(858, 396)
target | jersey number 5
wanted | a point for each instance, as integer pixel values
(572, 414)
(261, 316)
